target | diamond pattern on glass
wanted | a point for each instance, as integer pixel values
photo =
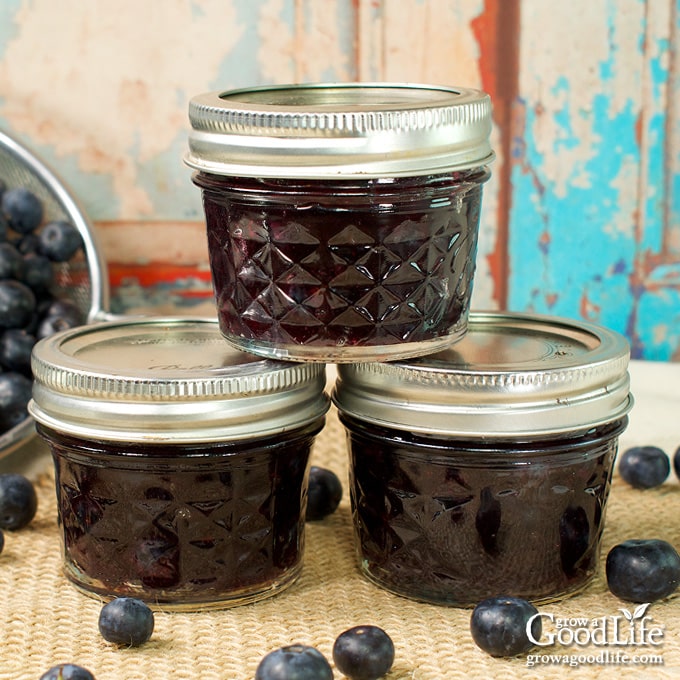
(313, 276)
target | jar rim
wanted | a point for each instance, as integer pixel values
(326, 130)
(168, 380)
(511, 375)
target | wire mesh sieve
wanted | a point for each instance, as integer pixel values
(82, 280)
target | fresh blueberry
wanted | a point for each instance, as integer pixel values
(18, 501)
(50, 325)
(4, 226)
(11, 262)
(644, 467)
(60, 241)
(324, 493)
(36, 272)
(23, 209)
(66, 309)
(499, 626)
(67, 671)
(126, 621)
(17, 304)
(295, 662)
(15, 350)
(363, 653)
(676, 462)
(15, 393)
(2, 540)
(27, 243)
(643, 570)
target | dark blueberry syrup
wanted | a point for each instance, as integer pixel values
(328, 263)
(455, 522)
(183, 524)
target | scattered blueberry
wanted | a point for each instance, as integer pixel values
(126, 621)
(295, 662)
(67, 671)
(363, 653)
(15, 393)
(644, 467)
(2, 540)
(60, 241)
(324, 493)
(643, 570)
(676, 462)
(499, 625)
(18, 501)
(23, 209)
(17, 304)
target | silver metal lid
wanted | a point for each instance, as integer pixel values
(328, 130)
(511, 375)
(167, 380)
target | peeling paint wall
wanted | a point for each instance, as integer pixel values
(581, 217)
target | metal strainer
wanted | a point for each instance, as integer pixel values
(82, 280)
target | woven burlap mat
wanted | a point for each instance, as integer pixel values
(45, 621)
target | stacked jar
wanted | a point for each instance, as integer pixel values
(342, 224)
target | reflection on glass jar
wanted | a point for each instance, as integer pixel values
(181, 463)
(484, 469)
(309, 267)
(342, 219)
(183, 525)
(454, 522)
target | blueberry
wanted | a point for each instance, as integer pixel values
(644, 467)
(27, 243)
(295, 662)
(499, 625)
(676, 462)
(2, 540)
(11, 262)
(363, 653)
(126, 621)
(324, 493)
(17, 304)
(37, 272)
(15, 350)
(60, 241)
(23, 209)
(53, 324)
(67, 671)
(18, 501)
(66, 309)
(15, 393)
(643, 570)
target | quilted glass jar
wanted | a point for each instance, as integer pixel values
(181, 463)
(342, 219)
(484, 469)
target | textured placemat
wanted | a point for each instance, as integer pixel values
(44, 621)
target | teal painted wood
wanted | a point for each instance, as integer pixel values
(594, 221)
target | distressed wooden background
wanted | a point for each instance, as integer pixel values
(580, 219)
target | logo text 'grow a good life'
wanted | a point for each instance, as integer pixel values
(629, 629)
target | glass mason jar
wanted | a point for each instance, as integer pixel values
(342, 219)
(484, 469)
(181, 463)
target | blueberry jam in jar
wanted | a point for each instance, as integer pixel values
(485, 468)
(342, 219)
(181, 463)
